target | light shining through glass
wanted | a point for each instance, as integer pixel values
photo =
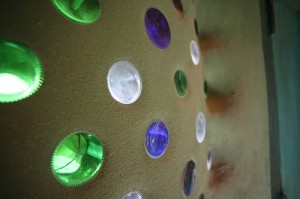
(180, 82)
(157, 139)
(195, 52)
(209, 159)
(189, 177)
(20, 72)
(77, 158)
(157, 28)
(200, 127)
(124, 82)
(80, 11)
(134, 195)
(10, 84)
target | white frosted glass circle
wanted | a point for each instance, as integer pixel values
(200, 127)
(209, 159)
(134, 195)
(195, 52)
(124, 82)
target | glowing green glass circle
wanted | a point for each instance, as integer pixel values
(77, 159)
(80, 11)
(180, 82)
(20, 72)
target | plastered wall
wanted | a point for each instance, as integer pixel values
(74, 96)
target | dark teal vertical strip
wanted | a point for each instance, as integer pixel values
(267, 26)
(286, 48)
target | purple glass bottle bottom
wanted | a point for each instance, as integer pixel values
(157, 139)
(157, 28)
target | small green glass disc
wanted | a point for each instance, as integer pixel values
(180, 82)
(80, 11)
(20, 72)
(77, 159)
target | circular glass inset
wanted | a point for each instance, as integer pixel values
(157, 139)
(124, 82)
(189, 176)
(179, 7)
(180, 82)
(80, 11)
(21, 72)
(195, 53)
(200, 127)
(157, 28)
(201, 196)
(134, 195)
(209, 159)
(205, 89)
(196, 27)
(77, 158)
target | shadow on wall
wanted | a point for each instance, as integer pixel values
(219, 175)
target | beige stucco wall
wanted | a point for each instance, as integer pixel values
(74, 96)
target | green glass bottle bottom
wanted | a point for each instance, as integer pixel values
(77, 159)
(180, 82)
(21, 72)
(80, 11)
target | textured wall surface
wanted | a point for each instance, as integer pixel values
(74, 96)
(240, 135)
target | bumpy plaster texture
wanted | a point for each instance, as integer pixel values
(74, 96)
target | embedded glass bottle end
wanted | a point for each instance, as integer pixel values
(200, 127)
(124, 82)
(195, 52)
(134, 195)
(180, 82)
(188, 177)
(80, 11)
(157, 139)
(157, 28)
(21, 73)
(77, 158)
